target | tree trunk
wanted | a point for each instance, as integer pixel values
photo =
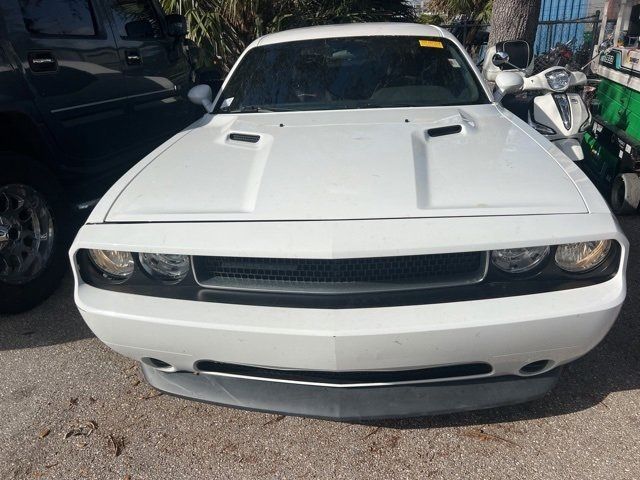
(514, 20)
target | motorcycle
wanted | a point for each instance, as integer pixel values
(561, 116)
(559, 56)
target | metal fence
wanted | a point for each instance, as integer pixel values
(568, 41)
(564, 21)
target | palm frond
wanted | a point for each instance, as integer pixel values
(223, 28)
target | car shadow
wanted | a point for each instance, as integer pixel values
(55, 321)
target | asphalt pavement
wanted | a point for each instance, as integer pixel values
(71, 408)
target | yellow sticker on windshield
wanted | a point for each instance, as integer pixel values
(431, 44)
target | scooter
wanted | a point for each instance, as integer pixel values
(560, 116)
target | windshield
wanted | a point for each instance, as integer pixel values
(347, 73)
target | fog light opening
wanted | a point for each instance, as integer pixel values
(535, 367)
(158, 364)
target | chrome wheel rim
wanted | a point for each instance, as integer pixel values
(26, 234)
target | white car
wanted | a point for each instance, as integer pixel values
(354, 229)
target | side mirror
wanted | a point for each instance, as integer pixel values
(176, 25)
(500, 58)
(202, 95)
(508, 82)
(518, 53)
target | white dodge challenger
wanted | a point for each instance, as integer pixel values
(354, 229)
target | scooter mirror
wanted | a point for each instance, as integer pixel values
(500, 58)
(507, 82)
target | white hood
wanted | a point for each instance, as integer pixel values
(350, 165)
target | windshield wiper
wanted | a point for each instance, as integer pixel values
(250, 109)
(258, 109)
(387, 105)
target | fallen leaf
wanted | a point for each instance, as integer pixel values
(372, 432)
(91, 424)
(277, 419)
(485, 436)
(229, 447)
(84, 429)
(151, 395)
(44, 432)
(116, 445)
(393, 441)
(136, 383)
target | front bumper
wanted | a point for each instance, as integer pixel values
(506, 333)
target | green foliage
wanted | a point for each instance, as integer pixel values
(223, 28)
(208, 26)
(431, 19)
(478, 10)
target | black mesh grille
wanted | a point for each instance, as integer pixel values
(244, 137)
(352, 274)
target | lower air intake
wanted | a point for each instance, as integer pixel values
(354, 378)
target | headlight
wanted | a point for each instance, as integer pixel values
(583, 256)
(559, 79)
(165, 267)
(519, 260)
(112, 264)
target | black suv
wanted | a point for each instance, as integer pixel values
(87, 88)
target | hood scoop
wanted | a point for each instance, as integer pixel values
(244, 137)
(442, 131)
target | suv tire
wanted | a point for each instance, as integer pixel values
(35, 233)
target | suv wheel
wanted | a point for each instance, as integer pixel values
(26, 234)
(34, 236)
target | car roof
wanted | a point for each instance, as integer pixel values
(352, 30)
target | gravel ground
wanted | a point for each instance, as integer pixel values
(71, 408)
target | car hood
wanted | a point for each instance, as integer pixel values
(362, 164)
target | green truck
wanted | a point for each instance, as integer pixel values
(612, 146)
